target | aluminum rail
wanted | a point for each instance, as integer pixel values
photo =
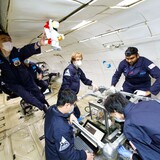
(132, 95)
(89, 135)
(109, 149)
(90, 94)
(139, 97)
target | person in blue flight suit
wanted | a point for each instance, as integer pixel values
(141, 125)
(37, 74)
(72, 76)
(58, 131)
(15, 75)
(137, 71)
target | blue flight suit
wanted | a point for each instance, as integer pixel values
(17, 78)
(59, 137)
(142, 128)
(4, 89)
(72, 77)
(34, 70)
(137, 77)
(71, 80)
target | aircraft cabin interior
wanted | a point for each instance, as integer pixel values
(101, 30)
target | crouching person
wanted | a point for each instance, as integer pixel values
(141, 126)
(59, 138)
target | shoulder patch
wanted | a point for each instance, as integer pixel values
(67, 73)
(16, 61)
(63, 144)
(151, 66)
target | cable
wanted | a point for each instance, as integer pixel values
(87, 109)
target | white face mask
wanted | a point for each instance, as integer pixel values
(119, 120)
(71, 111)
(78, 63)
(7, 46)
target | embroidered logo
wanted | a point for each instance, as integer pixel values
(63, 144)
(16, 61)
(67, 73)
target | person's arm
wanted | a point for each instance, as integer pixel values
(141, 138)
(117, 74)
(83, 78)
(87, 81)
(154, 71)
(72, 118)
(128, 154)
(39, 73)
(31, 49)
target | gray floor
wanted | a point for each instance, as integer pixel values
(20, 136)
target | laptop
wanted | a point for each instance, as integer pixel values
(82, 142)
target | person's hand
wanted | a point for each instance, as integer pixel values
(72, 118)
(80, 118)
(142, 93)
(124, 152)
(39, 76)
(90, 156)
(42, 40)
(113, 89)
(95, 87)
(109, 91)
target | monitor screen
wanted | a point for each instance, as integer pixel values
(97, 133)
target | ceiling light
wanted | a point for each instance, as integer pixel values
(127, 3)
(83, 24)
(99, 36)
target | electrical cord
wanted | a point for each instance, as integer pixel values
(87, 109)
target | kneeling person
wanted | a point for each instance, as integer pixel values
(141, 125)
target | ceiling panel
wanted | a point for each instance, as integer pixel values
(87, 13)
(27, 10)
(149, 9)
(106, 2)
(122, 19)
(134, 33)
(154, 26)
